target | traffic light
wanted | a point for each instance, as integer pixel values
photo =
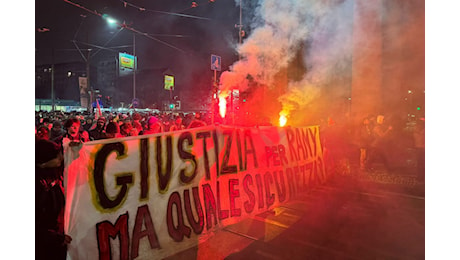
(171, 106)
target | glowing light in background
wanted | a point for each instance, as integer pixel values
(222, 106)
(282, 119)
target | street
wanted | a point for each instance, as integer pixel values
(354, 216)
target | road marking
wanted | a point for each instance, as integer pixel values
(380, 194)
(269, 221)
(240, 234)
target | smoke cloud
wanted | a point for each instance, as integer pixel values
(279, 29)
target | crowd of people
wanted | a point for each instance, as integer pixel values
(111, 125)
(372, 138)
(52, 130)
(379, 139)
(376, 142)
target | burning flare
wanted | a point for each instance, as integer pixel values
(222, 106)
(283, 119)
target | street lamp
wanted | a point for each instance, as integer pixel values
(110, 20)
(113, 22)
(135, 66)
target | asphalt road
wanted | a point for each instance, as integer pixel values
(359, 215)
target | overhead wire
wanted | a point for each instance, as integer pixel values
(105, 45)
(125, 3)
(79, 26)
(75, 37)
(124, 25)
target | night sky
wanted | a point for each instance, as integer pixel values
(170, 34)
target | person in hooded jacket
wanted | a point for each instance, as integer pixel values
(98, 132)
(56, 131)
(50, 240)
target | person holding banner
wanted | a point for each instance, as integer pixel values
(50, 240)
(74, 133)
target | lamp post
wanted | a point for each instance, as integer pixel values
(52, 86)
(113, 22)
(88, 85)
(135, 66)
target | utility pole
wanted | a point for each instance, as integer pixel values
(135, 66)
(240, 38)
(52, 81)
(240, 26)
(88, 85)
(214, 96)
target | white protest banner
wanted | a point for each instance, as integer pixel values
(149, 197)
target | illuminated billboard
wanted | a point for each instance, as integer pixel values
(127, 61)
(169, 82)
